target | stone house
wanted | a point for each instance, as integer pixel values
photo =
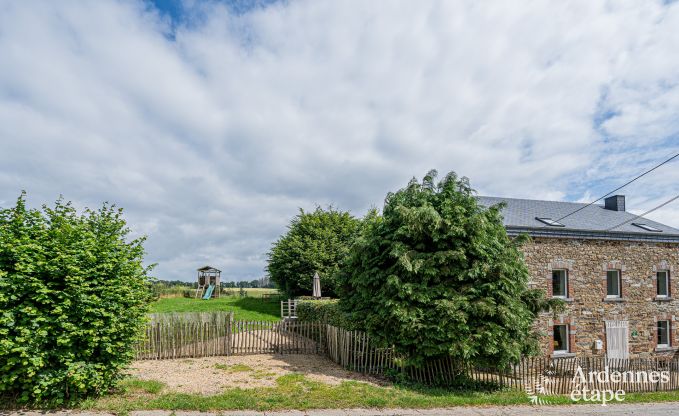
(615, 272)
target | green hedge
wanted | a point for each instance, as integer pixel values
(73, 302)
(326, 311)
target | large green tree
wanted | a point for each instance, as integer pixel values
(437, 276)
(73, 300)
(316, 241)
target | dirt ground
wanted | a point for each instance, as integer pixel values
(211, 375)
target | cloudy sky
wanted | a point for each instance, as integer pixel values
(213, 122)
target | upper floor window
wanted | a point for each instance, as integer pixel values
(561, 339)
(663, 334)
(663, 284)
(613, 284)
(560, 283)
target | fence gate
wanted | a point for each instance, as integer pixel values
(617, 340)
(284, 337)
(289, 308)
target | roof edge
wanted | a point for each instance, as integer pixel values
(592, 234)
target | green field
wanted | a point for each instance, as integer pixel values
(253, 292)
(247, 308)
(178, 291)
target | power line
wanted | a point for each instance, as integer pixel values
(644, 214)
(619, 188)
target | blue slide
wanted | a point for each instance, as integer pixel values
(208, 292)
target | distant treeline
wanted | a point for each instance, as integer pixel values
(264, 282)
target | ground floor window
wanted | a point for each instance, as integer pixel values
(663, 284)
(561, 339)
(663, 333)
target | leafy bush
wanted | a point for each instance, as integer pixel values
(154, 292)
(73, 301)
(326, 311)
(315, 242)
(437, 276)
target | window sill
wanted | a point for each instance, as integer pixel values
(567, 300)
(662, 299)
(665, 349)
(563, 355)
(615, 300)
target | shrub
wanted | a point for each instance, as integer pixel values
(437, 276)
(326, 311)
(73, 301)
(315, 242)
(154, 291)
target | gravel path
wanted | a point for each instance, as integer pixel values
(212, 375)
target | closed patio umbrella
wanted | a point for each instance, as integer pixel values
(317, 286)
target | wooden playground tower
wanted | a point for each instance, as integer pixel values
(208, 282)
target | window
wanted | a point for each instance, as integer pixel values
(560, 339)
(560, 283)
(663, 334)
(613, 284)
(647, 227)
(663, 284)
(549, 221)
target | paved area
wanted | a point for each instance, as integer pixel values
(662, 409)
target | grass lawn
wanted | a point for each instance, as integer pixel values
(249, 309)
(294, 391)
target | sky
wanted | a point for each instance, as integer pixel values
(212, 123)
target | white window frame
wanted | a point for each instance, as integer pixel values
(565, 284)
(668, 329)
(619, 295)
(667, 283)
(566, 341)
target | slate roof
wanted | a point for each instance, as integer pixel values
(592, 222)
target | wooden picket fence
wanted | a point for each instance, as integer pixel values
(204, 335)
(354, 351)
(283, 337)
(556, 375)
(186, 335)
(194, 335)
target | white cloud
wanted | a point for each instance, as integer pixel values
(213, 139)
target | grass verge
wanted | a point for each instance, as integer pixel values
(294, 391)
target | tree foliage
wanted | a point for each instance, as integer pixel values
(437, 276)
(73, 300)
(316, 241)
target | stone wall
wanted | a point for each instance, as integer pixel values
(587, 307)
